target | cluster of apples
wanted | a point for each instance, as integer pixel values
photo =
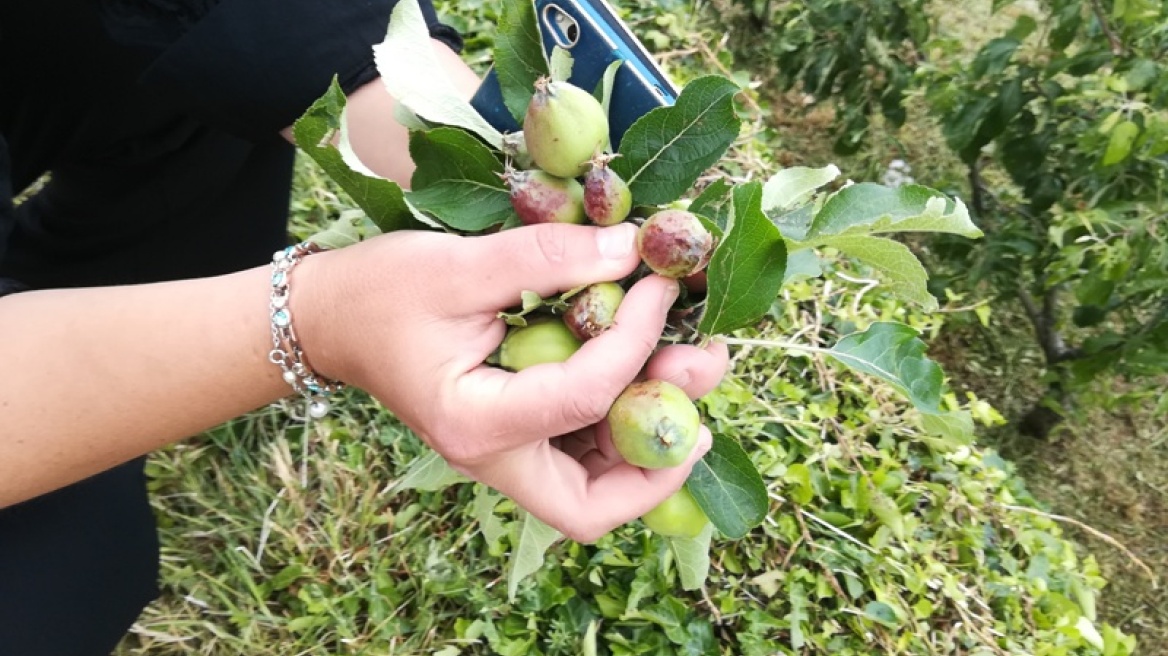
(653, 423)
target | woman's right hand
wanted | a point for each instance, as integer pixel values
(410, 317)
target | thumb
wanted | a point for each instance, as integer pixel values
(547, 258)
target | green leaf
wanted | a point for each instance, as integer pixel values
(1120, 144)
(693, 558)
(794, 224)
(886, 511)
(994, 56)
(881, 613)
(560, 67)
(728, 488)
(802, 264)
(794, 186)
(345, 231)
(406, 62)
(381, 199)
(490, 524)
(664, 151)
(799, 476)
(961, 129)
(952, 429)
(797, 616)
(746, 271)
(894, 353)
(457, 180)
(1023, 27)
(428, 473)
(285, 577)
(715, 202)
(531, 542)
(588, 642)
(893, 261)
(603, 91)
(873, 208)
(518, 55)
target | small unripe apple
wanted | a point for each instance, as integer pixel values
(674, 243)
(607, 198)
(542, 340)
(593, 310)
(564, 127)
(540, 197)
(654, 424)
(679, 516)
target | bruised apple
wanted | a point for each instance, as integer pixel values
(674, 243)
(654, 424)
(593, 310)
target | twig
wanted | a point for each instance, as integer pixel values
(1093, 531)
(1112, 38)
(775, 343)
(827, 525)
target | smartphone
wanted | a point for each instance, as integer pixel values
(595, 36)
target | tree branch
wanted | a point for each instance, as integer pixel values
(976, 190)
(1054, 348)
(1117, 48)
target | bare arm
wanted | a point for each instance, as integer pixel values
(95, 377)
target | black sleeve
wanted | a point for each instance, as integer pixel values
(7, 285)
(253, 66)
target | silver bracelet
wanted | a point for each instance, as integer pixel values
(286, 352)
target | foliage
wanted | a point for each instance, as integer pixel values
(1072, 104)
(883, 524)
(858, 55)
(1061, 121)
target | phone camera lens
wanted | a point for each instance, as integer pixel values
(573, 33)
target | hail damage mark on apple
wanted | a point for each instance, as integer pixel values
(674, 243)
(593, 310)
(539, 197)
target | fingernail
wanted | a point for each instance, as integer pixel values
(616, 243)
(681, 379)
(670, 295)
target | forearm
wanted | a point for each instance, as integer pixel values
(95, 377)
(381, 142)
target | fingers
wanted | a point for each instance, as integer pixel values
(546, 258)
(698, 371)
(555, 399)
(561, 492)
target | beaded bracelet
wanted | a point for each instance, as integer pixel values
(286, 352)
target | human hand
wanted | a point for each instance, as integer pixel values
(410, 317)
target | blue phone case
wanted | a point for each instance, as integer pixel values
(638, 87)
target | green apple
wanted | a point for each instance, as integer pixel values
(654, 424)
(541, 340)
(679, 516)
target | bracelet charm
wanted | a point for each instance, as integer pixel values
(286, 352)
